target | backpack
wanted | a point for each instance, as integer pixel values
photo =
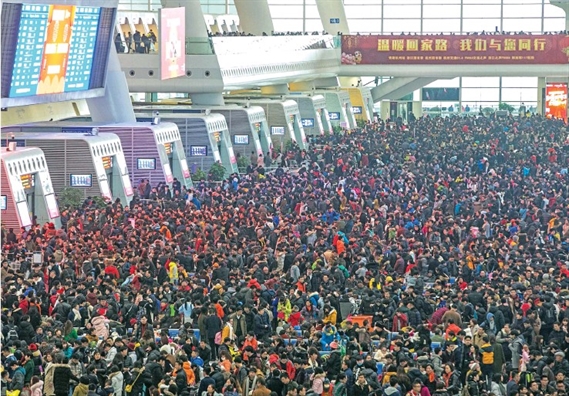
(550, 315)
(12, 335)
(488, 357)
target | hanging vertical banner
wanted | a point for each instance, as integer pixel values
(556, 100)
(172, 42)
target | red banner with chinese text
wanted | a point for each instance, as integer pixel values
(455, 49)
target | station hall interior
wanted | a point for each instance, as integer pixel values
(164, 90)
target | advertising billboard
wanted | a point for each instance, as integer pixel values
(454, 49)
(172, 42)
(556, 100)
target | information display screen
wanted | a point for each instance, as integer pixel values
(241, 140)
(3, 202)
(81, 180)
(54, 49)
(198, 151)
(334, 116)
(277, 130)
(357, 109)
(54, 53)
(146, 163)
(307, 122)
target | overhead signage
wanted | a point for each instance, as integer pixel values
(307, 122)
(334, 115)
(198, 151)
(454, 49)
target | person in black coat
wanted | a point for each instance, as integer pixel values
(181, 377)
(213, 325)
(26, 331)
(62, 376)
(155, 370)
(140, 379)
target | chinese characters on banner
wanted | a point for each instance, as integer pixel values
(455, 49)
(556, 101)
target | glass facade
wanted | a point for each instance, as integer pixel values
(420, 16)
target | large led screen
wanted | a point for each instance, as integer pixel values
(172, 42)
(556, 100)
(54, 49)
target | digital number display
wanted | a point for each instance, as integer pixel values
(198, 151)
(81, 180)
(334, 116)
(146, 163)
(241, 140)
(277, 130)
(308, 122)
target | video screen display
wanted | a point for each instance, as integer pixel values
(172, 41)
(146, 163)
(54, 49)
(334, 115)
(198, 151)
(81, 180)
(307, 122)
(556, 101)
(242, 140)
(277, 130)
(441, 94)
(3, 202)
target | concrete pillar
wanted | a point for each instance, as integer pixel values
(195, 23)
(418, 108)
(540, 96)
(254, 16)
(115, 105)
(564, 5)
(333, 16)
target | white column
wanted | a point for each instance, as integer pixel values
(254, 16)
(115, 105)
(333, 16)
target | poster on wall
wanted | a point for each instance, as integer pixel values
(105, 189)
(556, 100)
(185, 169)
(51, 205)
(172, 42)
(168, 173)
(127, 186)
(24, 213)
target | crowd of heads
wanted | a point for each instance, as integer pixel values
(420, 259)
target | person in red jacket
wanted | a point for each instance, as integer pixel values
(399, 322)
(295, 317)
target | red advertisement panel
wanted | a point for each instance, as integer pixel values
(172, 42)
(455, 49)
(556, 101)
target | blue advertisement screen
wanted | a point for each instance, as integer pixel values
(55, 49)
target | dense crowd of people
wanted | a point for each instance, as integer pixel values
(421, 259)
